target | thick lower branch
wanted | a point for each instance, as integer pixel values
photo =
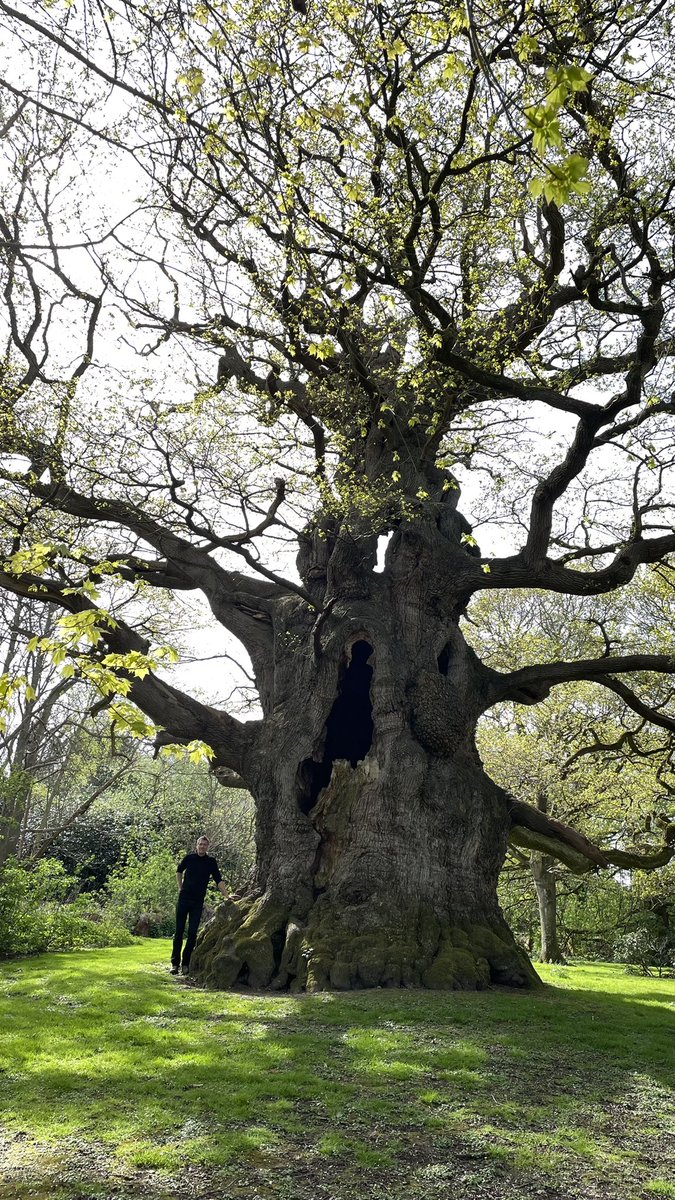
(551, 836)
(530, 839)
(241, 603)
(534, 830)
(184, 718)
(551, 576)
(647, 861)
(532, 684)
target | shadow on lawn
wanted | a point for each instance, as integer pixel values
(159, 1073)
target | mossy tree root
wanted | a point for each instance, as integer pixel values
(257, 943)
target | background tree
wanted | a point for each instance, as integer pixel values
(168, 803)
(419, 244)
(580, 756)
(55, 755)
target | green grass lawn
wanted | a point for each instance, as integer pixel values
(117, 1080)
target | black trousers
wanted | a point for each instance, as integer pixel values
(190, 910)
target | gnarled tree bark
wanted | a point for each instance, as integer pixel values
(380, 838)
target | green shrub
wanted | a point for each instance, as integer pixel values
(649, 950)
(92, 846)
(145, 888)
(40, 909)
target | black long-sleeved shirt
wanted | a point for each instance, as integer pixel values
(197, 869)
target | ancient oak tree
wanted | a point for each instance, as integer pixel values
(366, 256)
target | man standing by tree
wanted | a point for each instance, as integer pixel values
(192, 875)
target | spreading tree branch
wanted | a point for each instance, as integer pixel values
(532, 684)
(533, 830)
(184, 718)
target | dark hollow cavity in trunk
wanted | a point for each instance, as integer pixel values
(349, 728)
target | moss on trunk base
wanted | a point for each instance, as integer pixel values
(259, 944)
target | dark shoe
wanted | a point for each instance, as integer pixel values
(174, 970)
(185, 970)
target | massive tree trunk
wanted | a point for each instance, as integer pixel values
(379, 837)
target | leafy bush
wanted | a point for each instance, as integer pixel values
(145, 888)
(92, 847)
(40, 909)
(167, 804)
(650, 947)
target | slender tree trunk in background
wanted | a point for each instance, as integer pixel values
(547, 897)
(545, 885)
(14, 793)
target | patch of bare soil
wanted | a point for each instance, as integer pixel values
(30, 1170)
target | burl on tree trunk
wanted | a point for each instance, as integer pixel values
(379, 837)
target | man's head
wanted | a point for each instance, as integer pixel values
(202, 845)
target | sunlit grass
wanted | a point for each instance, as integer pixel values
(114, 1071)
